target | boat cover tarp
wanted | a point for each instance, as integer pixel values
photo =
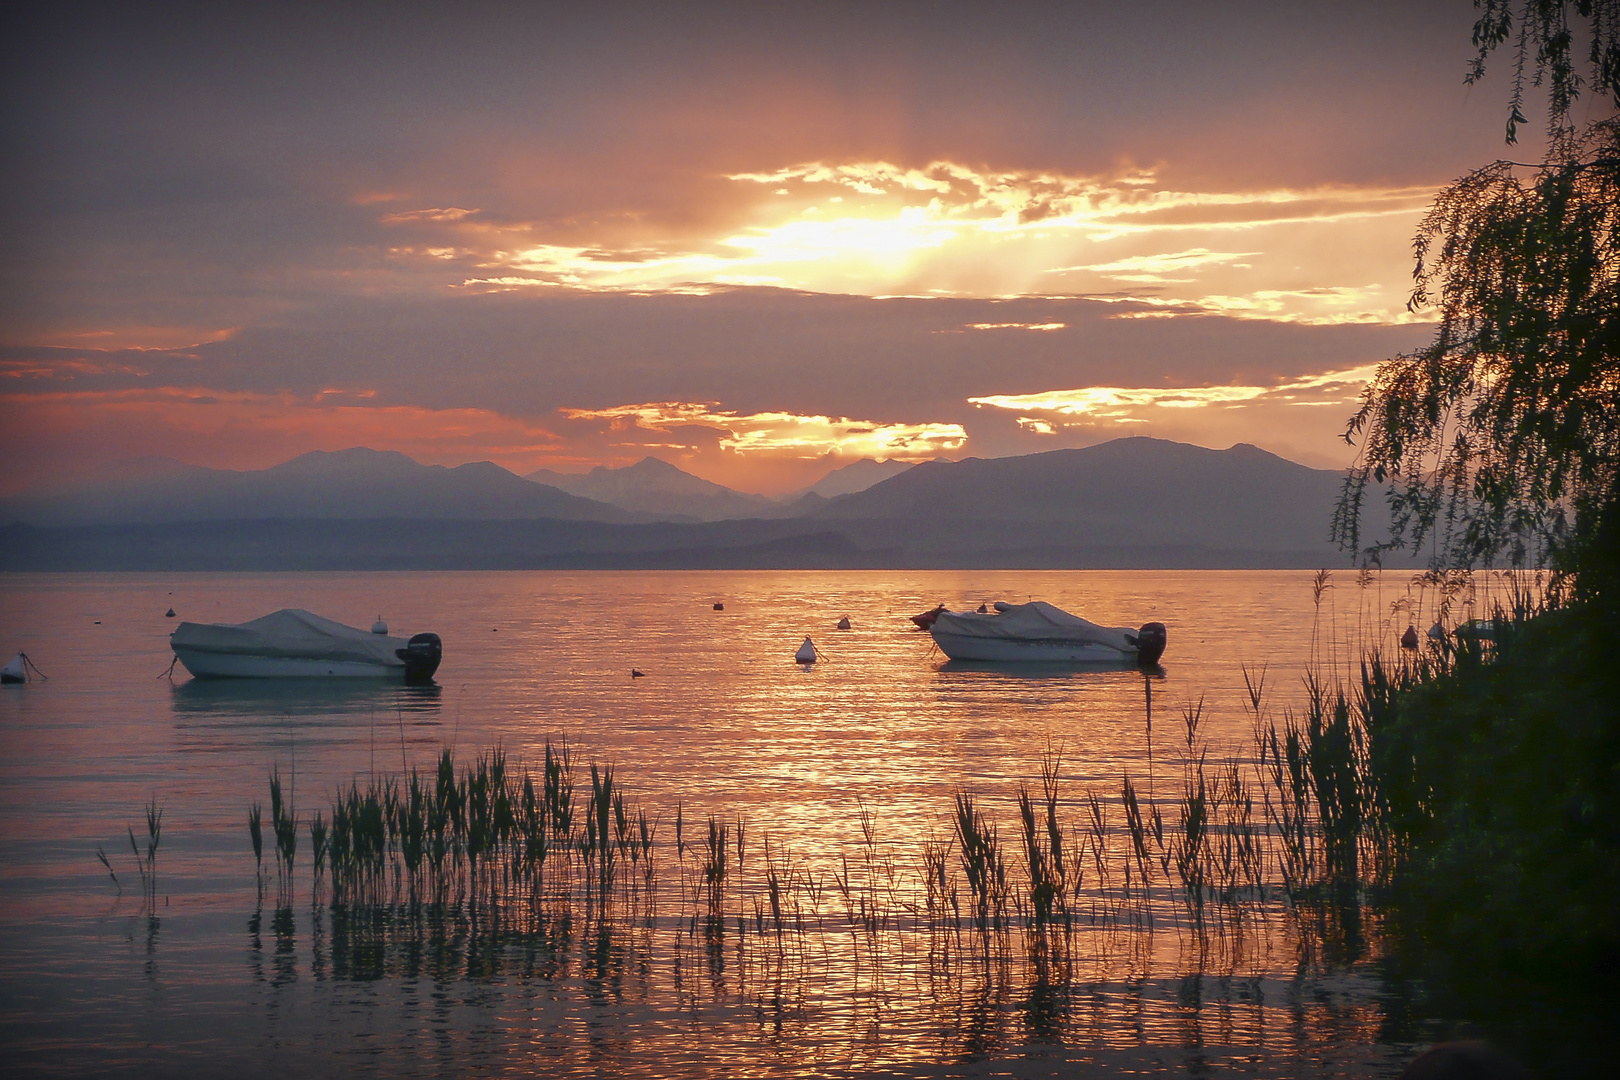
(1034, 621)
(294, 634)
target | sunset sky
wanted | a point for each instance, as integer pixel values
(754, 240)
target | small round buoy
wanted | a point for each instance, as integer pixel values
(169, 614)
(806, 653)
(379, 627)
(1409, 640)
(843, 624)
(634, 674)
(719, 607)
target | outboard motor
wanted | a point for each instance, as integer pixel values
(421, 655)
(1150, 643)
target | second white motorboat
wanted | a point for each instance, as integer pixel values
(292, 643)
(1037, 632)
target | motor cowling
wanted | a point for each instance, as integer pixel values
(421, 654)
(1150, 642)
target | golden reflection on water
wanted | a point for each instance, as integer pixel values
(723, 723)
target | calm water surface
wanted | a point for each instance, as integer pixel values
(215, 979)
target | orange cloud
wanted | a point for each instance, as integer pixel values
(1110, 402)
(136, 337)
(1016, 326)
(449, 213)
(1289, 413)
(1321, 254)
(785, 433)
(52, 434)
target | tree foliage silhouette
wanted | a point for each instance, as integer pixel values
(1544, 42)
(1504, 433)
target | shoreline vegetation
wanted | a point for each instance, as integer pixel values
(1449, 812)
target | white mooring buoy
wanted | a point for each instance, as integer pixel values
(20, 670)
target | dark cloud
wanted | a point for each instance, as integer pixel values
(753, 350)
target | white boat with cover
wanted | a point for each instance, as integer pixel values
(292, 643)
(1037, 632)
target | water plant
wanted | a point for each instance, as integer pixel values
(256, 834)
(284, 826)
(982, 862)
(1324, 803)
(146, 863)
(101, 856)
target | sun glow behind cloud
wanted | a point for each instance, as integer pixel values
(1319, 255)
(781, 433)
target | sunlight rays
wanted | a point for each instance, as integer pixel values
(1325, 254)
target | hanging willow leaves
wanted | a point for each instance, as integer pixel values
(1489, 440)
(1510, 418)
(1545, 46)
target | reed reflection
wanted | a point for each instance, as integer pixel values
(1125, 897)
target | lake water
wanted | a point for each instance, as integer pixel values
(214, 977)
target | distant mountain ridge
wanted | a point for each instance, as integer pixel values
(351, 484)
(1137, 492)
(1130, 503)
(854, 477)
(363, 483)
(659, 489)
(669, 493)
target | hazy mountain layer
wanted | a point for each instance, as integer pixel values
(1135, 492)
(357, 483)
(661, 490)
(1141, 503)
(851, 478)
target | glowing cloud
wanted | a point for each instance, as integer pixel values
(785, 433)
(1123, 404)
(1110, 400)
(1324, 254)
(449, 213)
(1156, 268)
(1299, 418)
(1016, 326)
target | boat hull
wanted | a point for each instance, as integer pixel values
(207, 665)
(1028, 651)
(296, 644)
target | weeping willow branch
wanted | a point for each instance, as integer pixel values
(1488, 440)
